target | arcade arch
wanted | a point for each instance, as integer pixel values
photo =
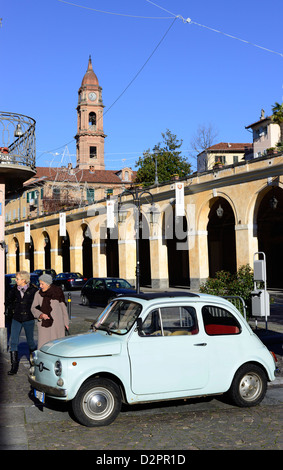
(221, 237)
(269, 223)
(175, 236)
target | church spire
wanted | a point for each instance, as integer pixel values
(90, 78)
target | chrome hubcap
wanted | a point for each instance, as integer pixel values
(250, 386)
(98, 403)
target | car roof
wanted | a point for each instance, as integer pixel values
(108, 278)
(162, 295)
(199, 297)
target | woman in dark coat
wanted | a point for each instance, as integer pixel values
(18, 306)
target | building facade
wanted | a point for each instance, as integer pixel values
(52, 189)
(224, 153)
(230, 214)
(266, 134)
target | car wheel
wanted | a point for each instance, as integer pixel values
(85, 300)
(97, 403)
(249, 386)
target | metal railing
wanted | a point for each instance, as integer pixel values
(238, 302)
(17, 141)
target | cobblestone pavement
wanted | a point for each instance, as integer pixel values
(198, 424)
(257, 429)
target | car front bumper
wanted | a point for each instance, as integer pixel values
(51, 391)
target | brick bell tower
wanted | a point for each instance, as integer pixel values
(90, 136)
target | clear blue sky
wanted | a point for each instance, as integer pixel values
(195, 76)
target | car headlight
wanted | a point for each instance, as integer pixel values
(33, 357)
(58, 368)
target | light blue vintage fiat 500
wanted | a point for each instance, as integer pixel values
(150, 347)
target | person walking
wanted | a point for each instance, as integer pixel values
(18, 306)
(50, 309)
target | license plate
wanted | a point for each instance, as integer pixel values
(40, 396)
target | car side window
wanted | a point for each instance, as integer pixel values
(219, 321)
(170, 321)
(98, 284)
(151, 325)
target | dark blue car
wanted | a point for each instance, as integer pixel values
(100, 290)
(10, 281)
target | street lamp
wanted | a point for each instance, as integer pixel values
(156, 153)
(137, 197)
(18, 131)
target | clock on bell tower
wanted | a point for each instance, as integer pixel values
(90, 136)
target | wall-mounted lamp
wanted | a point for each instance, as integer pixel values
(273, 202)
(220, 211)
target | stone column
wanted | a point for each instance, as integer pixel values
(198, 258)
(99, 266)
(76, 258)
(246, 244)
(158, 263)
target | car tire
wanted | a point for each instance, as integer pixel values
(249, 386)
(85, 300)
(97, 403)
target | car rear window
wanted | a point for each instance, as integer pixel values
(219, 321)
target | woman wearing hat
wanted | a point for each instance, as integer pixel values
(50, 309)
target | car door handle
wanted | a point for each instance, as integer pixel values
(200, 344)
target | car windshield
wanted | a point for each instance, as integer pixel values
(117, 284)
(118, 317)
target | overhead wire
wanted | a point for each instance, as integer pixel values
(130, 83)
(115, 14)
(141, 69)
(190, 21)
(175, 17)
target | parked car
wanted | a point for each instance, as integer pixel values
(34, 279)
(152, 347)
(10, 281)
(39, 272)
(69, 281)
(100, 290)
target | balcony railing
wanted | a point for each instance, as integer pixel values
(17, 140)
